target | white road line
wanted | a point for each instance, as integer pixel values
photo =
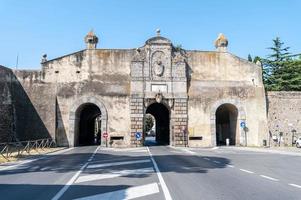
(74, 177)
(117, 163)
(126, 194)
(162, 182)
(206, 158)
(232, 166)
(270, 178)
(295, 185)
(94, 177)
(244, 170)
(218, 162)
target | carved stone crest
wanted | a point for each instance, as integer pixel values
(159, 97)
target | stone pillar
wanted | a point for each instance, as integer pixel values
(136, 120)
(179, 122)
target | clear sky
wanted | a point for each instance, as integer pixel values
(31, 28)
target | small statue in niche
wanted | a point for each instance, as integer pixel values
(158, 68)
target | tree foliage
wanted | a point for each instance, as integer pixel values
(281, 71)
(149, 123)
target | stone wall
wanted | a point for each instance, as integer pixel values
(218, 78)
(6, 105)
(101, 75)
(284, 116)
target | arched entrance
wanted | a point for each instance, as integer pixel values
(226, 124)
(89, 126)
(87, 112)
(162, 122)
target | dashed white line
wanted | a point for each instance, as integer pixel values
(74, 177)
(117, 163)
(270, 178)
(232, 166)
(244, 170)
(295, 185)
(162, 182)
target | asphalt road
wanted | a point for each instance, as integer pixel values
(155, 172)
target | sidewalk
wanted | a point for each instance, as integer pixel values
(276, 150)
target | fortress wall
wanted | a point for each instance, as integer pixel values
(284, 115)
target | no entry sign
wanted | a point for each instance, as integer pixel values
(105, 135)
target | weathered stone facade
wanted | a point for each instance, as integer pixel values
(284, 117)
(199, 98)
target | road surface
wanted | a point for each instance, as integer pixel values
(155, 172)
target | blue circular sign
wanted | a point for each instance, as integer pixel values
(242, 124)
(138, 136)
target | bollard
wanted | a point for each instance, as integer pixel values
(227, 141)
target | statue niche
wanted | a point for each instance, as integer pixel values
(158, 63)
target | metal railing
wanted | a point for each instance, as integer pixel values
(21, 147)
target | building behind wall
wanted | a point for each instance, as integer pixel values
(205, 93)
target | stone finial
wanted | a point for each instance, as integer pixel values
(44, 58)
(158, 31)
(91, 40)
(221, 43)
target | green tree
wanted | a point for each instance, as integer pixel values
(277, 66)
(149, 122)
(250, 58)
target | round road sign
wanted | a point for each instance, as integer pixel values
(105, 135)
(138, 136)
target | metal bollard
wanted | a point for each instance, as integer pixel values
(227, 141)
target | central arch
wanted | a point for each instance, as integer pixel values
(162, 122)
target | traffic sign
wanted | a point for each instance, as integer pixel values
(242, 124)
(105, 135)
(138, 135)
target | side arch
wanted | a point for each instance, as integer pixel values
(235, 102)
(73, 118)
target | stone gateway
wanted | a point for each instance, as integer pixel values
(198, 98)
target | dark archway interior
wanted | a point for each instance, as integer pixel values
(89, 125)
(226, 124)
(161, 114)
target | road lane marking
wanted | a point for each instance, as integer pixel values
(117, 163)
(218, 162)
(295, 185)
(232, 166)
(71, 181)
(162, 182)
(94, 177)
(270, 178)
(127, 194)
(206, 158)
(244, 170)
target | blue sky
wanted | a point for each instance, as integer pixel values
(31, 28)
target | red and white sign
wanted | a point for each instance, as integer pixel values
(105, 135)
